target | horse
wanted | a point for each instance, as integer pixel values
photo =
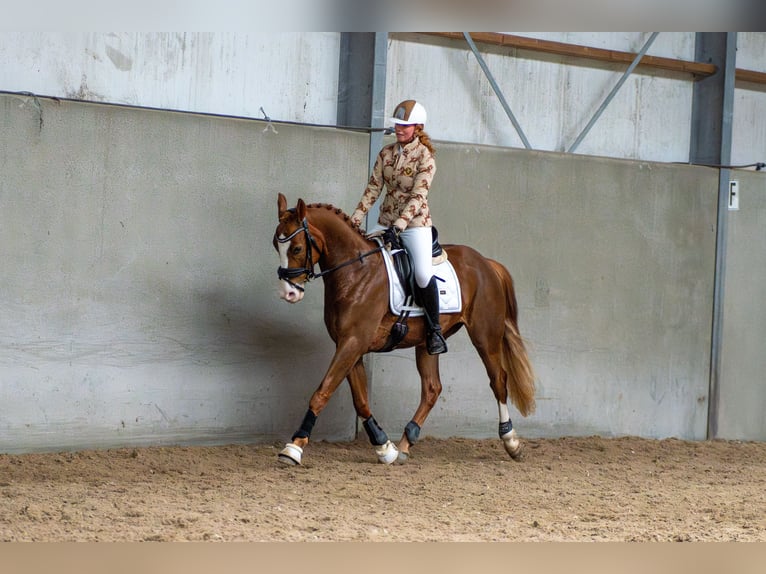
(358, 319)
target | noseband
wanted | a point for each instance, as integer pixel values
(288, 273)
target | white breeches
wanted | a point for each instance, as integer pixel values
(417, 241)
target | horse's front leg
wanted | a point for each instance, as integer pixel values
(384, 448)
(347, 362)
(430, 389)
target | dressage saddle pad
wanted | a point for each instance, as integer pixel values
(450, 299)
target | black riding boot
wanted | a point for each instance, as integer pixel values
(429, 298)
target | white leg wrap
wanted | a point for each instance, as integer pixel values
(293, 452)
(387, 453)
(502, 410)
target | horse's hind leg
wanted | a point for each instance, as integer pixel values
(430, 389)
(507, 433)
(498, 382)
(492, 357)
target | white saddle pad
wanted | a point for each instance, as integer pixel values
(450, 299)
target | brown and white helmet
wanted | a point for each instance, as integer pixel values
(409, 112)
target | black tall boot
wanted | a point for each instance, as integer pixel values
(429, 298)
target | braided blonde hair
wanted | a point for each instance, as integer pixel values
(425, 139)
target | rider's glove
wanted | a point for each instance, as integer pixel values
(391, 236)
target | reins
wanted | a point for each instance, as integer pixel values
(287, 273)
(349, 262)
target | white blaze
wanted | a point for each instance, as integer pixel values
(287, 291)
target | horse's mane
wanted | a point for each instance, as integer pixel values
(339, 212)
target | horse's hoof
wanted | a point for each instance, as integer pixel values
(403, 457)
(517, 454)
(387, 453)
(512, 445)
(291, 454)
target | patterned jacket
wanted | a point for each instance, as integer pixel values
(407, 173)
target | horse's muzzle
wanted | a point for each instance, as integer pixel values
(291, 296)
(290, 292)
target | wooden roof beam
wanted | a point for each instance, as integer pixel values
(600, 54)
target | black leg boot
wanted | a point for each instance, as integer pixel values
(429, 298)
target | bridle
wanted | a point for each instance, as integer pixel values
(288, 273)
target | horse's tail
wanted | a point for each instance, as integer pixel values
(520, 377)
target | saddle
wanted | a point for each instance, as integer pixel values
(402, 265)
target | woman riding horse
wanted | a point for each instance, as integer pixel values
(359, 320)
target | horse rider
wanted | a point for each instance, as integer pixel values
(406, 168)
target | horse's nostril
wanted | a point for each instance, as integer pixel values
(291, 297)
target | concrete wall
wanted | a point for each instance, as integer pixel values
(552, 97)
(138, 301)
(138, 298)
(748, 143)
(294, 77)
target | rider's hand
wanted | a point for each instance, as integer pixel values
(391, 236)
(356, 218)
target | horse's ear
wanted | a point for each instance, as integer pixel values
(301, 210)
(281, 204)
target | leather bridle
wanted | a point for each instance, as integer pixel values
(288, 273)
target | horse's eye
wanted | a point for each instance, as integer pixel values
(297, 249)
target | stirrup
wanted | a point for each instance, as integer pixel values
(435, 343)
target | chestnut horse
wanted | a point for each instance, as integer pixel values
(358, 319)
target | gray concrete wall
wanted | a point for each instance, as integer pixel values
(293, 76)
(138, 301)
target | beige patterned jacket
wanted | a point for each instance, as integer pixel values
(407, 173)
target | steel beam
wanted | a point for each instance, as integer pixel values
(613, 93)
(496, 88)
(711, 132)
(362, 87)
